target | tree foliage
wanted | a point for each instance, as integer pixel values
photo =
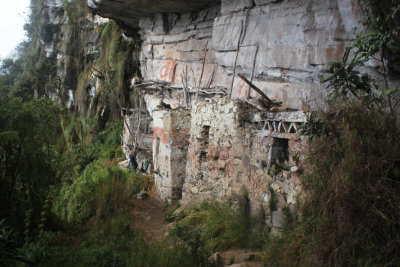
(29, 152)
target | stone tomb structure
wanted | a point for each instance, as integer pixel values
(170, 146)
(233, 149)
(222, 148)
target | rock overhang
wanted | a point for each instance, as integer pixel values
(128, 12)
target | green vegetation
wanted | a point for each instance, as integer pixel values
(70, 205)
(214, 226)
(76, 10)
(64, 201)
(30, 155)
(113, 61)
(351, 214)
(112, 66)
(90, 192)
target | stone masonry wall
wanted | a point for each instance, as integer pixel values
(170, 143)
(233, 150)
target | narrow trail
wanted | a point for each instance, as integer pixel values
(148, 217)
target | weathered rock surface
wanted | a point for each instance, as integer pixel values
(295, 40)
(70, 48)
(221, 147)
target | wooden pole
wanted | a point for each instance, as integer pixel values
(237, 54)
(202, 70)
(210, 80)
(252, 71)
(184, 91)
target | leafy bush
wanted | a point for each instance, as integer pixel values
(127, 249)
(9, 247)
(29, 153)
(108, 242)
(99, 191)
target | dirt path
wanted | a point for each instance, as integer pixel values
(148, 217)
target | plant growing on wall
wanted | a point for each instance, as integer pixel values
(377, 43)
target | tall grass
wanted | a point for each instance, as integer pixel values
(217, 226)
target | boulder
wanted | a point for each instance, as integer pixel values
(143, 195)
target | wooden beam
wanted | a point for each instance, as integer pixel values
(258, 90)
(252, 71)
(237, 54)
(202, 70)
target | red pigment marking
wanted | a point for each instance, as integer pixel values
(241, 85)
(223, 155)
(247, 92)
(211, 154)
(162, 134)
(167, 71)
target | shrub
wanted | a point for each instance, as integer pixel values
(99, 191)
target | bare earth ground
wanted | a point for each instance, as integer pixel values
(148, 217)
(232, 257)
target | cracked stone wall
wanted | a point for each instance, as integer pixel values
(295, 40)
(170, 144)
(233, 149)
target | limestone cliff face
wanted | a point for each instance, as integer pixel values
(90, 54)
(288, 42)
